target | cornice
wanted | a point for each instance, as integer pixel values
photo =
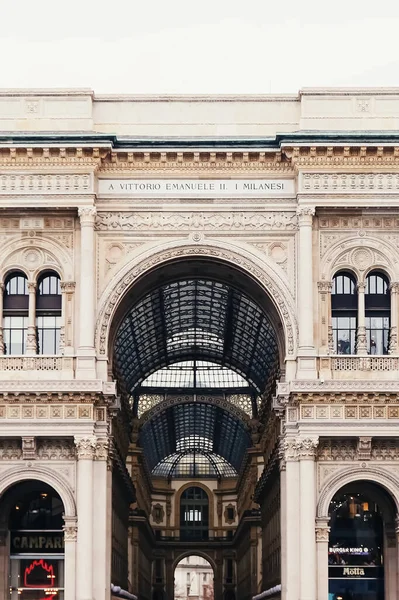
(56, 156)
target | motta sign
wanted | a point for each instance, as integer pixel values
(191, 188)
(45, 542)
(355, 572)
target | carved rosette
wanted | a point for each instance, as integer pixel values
(86, 447)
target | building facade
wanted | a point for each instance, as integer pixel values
(199, 345)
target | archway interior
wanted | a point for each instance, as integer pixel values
(34, 512)
(193, 579)
(209, 342)
(359, 515)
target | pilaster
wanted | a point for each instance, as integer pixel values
(361, 340)
(70, 537)
(306, 351)
(85, 448)
(86, 367)
(31, 337)
(307, 500)
(322, 540)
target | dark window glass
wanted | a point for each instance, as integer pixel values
(15, 313)
(355, 556)
(48, 314)
(378, 312)
(194, 514)
(344, 313)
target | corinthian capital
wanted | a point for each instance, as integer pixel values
(305, 214)
(307, 447)
(85, 447)
(87, 214)
(102, 447)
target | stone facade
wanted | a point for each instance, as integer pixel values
(333, 418)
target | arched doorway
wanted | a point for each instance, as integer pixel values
(196, 347)
(193, 579)
(32, 514)
(361, 515)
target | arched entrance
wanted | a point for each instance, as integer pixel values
(33, 557)
(362, 516)
(193, 579)
(195, 346)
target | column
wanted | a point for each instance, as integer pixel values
(70, 536)
(67, 289)
(307, 501)
(290, 526)
(361, 342)
(1, 317)
(305, 278)
(393, 334)
(322, 539)
(283, 522)
(31, 338)
(86, 354)
(101, 536)
(325, 315)
(84, 550)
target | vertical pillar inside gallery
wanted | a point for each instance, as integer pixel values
(322, 539)
(361, 341)
(84, 553)
(70, 536)
(31, 338)
(86, 354)
(307, 501)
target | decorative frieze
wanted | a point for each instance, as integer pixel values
(56, 449)
(349, 412)
(45, 184)
(46, 412)
(337, 449)
(341, 183)
(70, 529)
(197, 220)
(10, 449)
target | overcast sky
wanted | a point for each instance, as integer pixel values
(211, 46)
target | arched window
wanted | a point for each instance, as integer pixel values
(378, 313)
(194, 514)
(15, 313)
(344, 313)
(48, 313)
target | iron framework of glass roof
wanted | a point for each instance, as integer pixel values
(194, 429)
(196, 319)
(185, 337)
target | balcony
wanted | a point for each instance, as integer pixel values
(37, 366)
(358, 367)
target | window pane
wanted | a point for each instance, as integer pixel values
(377, 330)
(344, 334)
(14, 333)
